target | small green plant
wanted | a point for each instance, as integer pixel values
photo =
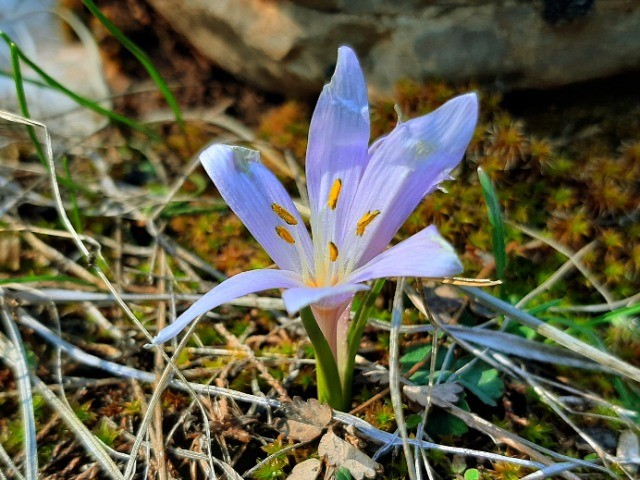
(381, 415)
(343, 474)
(274, 468)
(538, 431)
(472, 474)
(12, 435)
(106, 433)
(84, 412)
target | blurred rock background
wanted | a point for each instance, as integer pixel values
(288, 46)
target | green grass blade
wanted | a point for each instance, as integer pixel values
(75, 212)
(496, 221)
(362, 315)
(142, 58)
(178, 208)
(22, 100)
(543, 307)
(78, 187)
(356, 329)
(32, 81)
(625, 311)
(79, 99)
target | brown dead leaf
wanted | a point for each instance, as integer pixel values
(304, 421)
(440, 394)
(307, 470)
(340, 453)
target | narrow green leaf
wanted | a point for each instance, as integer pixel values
(356, 329)
(620, 312)
(362, 316)
(629, 398)
(496, 221)
(22, 101)
(31, 81)
(142, 58)
(75, 211)
(543, 307)
(176, 209)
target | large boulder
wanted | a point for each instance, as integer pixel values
(289, 46)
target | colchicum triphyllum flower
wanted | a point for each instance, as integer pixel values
(359, 197)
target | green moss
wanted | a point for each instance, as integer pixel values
(222, 239)
(12, 435)
(381, 415)
(84, 412)
(286, 348)
(106, 434)
(538, 432)
(273, 469)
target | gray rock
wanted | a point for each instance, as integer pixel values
(289, 46)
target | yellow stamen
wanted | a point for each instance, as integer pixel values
(284, 234)
(364, 222)
(333, 252)
(284, 214)
(334, 193)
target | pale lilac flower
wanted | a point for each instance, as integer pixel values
(359, 197)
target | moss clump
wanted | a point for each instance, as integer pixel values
(287, 127)
(222, 239)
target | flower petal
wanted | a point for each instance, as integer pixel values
(425, 254)
(251, 190)
(408, 164)
(322, 297)
(337, 150)
(236, 286)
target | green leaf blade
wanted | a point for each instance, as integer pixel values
(497, 223)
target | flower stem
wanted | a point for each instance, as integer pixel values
(328, 379)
